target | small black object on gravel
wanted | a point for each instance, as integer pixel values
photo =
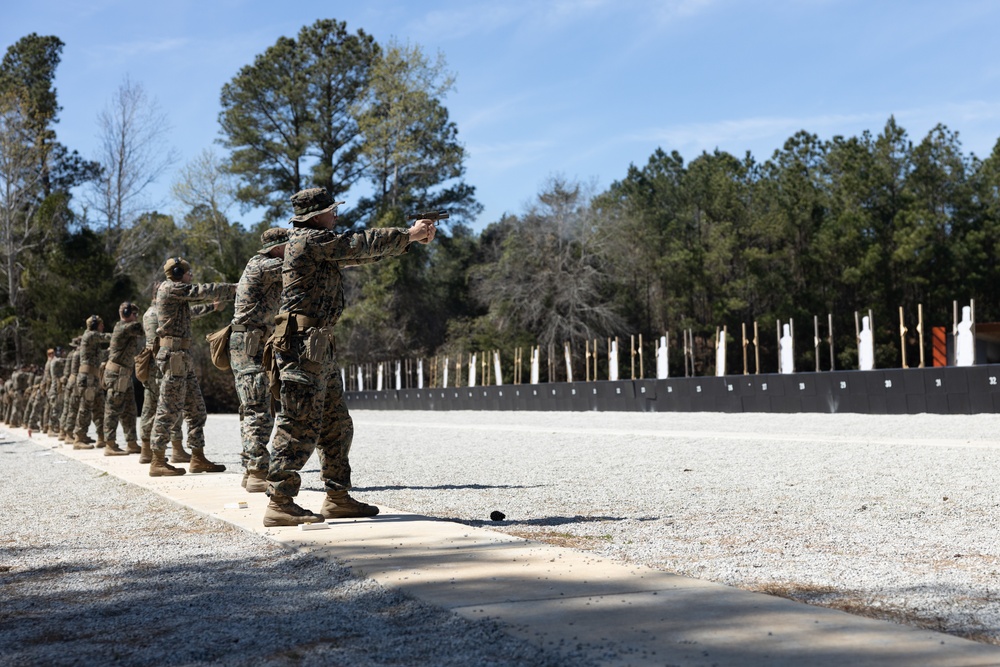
(497, 515)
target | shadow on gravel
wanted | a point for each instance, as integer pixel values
(292, 609)
(551, 521)
(443, 487)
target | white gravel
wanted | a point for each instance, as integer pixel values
(890, 516)
(894, 517)
(94, 571)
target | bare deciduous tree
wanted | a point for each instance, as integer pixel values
(549, 277)
(133, 154)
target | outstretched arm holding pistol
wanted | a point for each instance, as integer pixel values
(424, 229)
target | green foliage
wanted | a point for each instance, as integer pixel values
(286, 120)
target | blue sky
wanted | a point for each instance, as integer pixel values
(580, 89)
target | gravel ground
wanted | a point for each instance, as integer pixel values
(94, 571)
(886, 516)
(894, 517)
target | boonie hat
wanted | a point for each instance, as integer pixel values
(272, 237)
(308, 203)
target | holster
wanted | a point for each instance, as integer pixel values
(284, 328)
(176, 364)
(252, 340)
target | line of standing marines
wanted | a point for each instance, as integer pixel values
(281, 351)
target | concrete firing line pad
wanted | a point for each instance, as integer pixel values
(554, 595)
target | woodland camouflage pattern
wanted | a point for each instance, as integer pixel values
(312, 412)
(120, 397)
(71, 397)
(257, 297)
(151, 387)
(179, 388)
(91, 397)
(55, 394)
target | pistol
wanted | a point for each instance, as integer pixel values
(428, 215)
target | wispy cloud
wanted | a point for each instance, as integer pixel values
(126, 51)
(499, 157)
(743, 133)
(536, 17)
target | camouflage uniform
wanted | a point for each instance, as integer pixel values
(55, 396)
(22, 383)
(312, 411)
(257, 298)
(43, 406)
(88, 384)
(151, 387)
(179, 388)
(71, 397)
(4, 399)
(36, 404)
(120, 397)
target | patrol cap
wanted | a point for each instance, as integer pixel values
(308, 203)
(176, 267)
(93, 321)
(272, 237)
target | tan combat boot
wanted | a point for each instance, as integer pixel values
(132, 447)
(339, 505)
(256, 481)
(200, 464)
(81, 443)
(160, 468)
(282, 511)
(112, 449)
(146, 455)
(177, 454)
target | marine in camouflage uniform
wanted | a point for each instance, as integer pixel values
(313, 414)
(36, 402)
(55, 395)
(71, 396)
(151, 387)
(179, 388)
(40, 414)
(22, 380)
(119, 400)
(8, 399)
(88, 384)
(256, 304)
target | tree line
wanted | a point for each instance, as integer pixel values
(823, 226)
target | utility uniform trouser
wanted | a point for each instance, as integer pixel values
(150, 398)
(179, 393)
(119, 403)
(71, 403)
(312, 416)
(55, 409)
(91, 405)
(246, 349)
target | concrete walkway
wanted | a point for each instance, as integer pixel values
(556, 596)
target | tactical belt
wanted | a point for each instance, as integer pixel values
(112, 366)
(304, 321)
(175, 343)
(89, 370)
